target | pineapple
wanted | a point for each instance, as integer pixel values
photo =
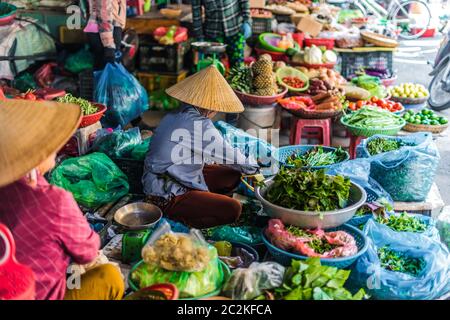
(262, 81)
(263, 67)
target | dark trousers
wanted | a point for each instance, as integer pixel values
(97, 48)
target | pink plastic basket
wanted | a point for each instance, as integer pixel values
(93, 118)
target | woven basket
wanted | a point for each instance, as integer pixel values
(259, 100)
(379, 40)
(368, 132)
(284, 257)
(307, 114)
(93, 118)
(410, 100)
(424, 128)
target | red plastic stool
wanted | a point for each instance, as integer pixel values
(138, 4)
(354, 141)
(308, 128)
(17, 281)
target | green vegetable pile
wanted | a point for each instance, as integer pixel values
(364, 210)
(373, 118)
(403, 223)
(309, 280)
(319, 245)
(399, 262)
(87, 107)
(380, 145)
(317, 157)
(240, 78)
(309, 190)
(425, 117)
(371, 84)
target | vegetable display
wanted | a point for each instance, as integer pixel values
(309, 280)
(403, 223)
(425, 117)
(317, 157)
(87, 107)
(294, 82)
(309, 190)
(364, 210)
(311, 243)
(371, 84)
(376, 102)
(380, 145)
(372, 117)
(408, 90)
(400, 262)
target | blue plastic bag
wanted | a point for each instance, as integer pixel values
(432, 281)
(122, 93)
(250, 146)
(358, 171)
(407, 174)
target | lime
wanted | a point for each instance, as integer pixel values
(434, 123)
(443, 120)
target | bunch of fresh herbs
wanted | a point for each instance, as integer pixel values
(316, 157)
(309, 280)
(380, 145)
(309, 190)
(399, 262)
(364, 210)
(403, 223)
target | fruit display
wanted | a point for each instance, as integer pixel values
(424, 117)
(170, 35)
(322, 79)
(408, 90)
(376, 102)
(260, 13)
(258, 79)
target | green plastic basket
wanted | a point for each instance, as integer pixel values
(226, 274)
(292, 72)
(368, 132)
(269, 47)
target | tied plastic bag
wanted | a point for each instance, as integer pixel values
(79, 61)
(93, 179)
(430, 283)
(358, 171)
(177, 251)
(140, 151)
(247, 284)
(443, 225)
(407, 174)
(245, 234)
(117, 144)
(122, 93)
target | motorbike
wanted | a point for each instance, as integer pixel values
(440, 84)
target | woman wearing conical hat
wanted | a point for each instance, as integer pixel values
(49, 228)
(175, 175)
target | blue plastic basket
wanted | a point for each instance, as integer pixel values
(284, 152)
(357, 221)
(283, 257)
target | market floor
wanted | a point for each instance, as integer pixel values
(411, 64)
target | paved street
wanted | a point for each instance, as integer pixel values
(411, 64)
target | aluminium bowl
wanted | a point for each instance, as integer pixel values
(138, 216)
(312, 219)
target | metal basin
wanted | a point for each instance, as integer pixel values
(138, 216)
(311, 219)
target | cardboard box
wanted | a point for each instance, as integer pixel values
(257, 3)
(310, 26)
(297, 17)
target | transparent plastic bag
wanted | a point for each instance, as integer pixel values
(443, 226)
(177, 251)
(140, 151)
(431, 282)
(247, 284)
(93, 179)
(117, 144)
(190, 284)
(407, 174)
(122, 93)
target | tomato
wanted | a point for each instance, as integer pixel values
(374, 99)
(360, 104)
(397, 106)
(30, 96)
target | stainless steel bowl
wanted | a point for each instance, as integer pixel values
(311, 219)
(138, 216)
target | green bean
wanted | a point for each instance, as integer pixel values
(87, 107)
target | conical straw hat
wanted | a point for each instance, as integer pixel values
(207, 89)
(30, 131)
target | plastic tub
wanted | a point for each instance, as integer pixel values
(328, 43)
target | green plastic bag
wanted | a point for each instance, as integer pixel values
(25, 82)
(79, 61)
(140, 151)
(93, 179)
(190, 284)
(245, 234)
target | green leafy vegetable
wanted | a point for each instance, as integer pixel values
(317, 157)
(380, 145)
(309, 280)
(371, 84)
(403, 222)
(87, 107)
(373, 117)
(364, 210)
(309, 190)
(400, 262)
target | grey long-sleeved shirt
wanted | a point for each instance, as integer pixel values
(181, 144)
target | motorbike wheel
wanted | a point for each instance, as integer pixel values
(439, 98)
(403, 8)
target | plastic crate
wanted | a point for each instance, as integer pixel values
(351, 62)
(86, 84)
(153, 81)
(134, 170)
(161, 58)
(261, 25)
